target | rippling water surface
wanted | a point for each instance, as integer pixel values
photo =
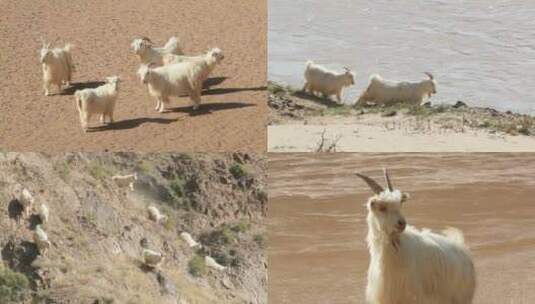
(481, 52)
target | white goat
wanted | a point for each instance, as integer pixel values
(156, 215)
(152, 258)
(43, 212)
(172, 58)
(318, 79)
(189, 239)
(211, 263)
(409, 266)
(184, 78)
(40, 239)
(57, 66)
(381, 91)
(147, 54)
(99, 100)
(25, 199)
(125, 180)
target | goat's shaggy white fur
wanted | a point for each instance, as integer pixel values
(148, 54)
(25, 199)
(411, 266)
(99, 100)
(156, 215)
(40, 239)
(184, 78)
(211, 263)
(43, 213)
(152, 258)
(57, 66)
(172, 58)
(125, 180)
(319, 79)
(189, 239)
(381, 91)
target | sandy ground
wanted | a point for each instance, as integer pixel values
(379, 134)
(234, 111)
(317, 249)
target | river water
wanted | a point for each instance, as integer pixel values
(317, 250)
(481, 52)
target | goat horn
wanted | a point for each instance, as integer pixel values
(429, 75)
(387, 179)
(376, 188)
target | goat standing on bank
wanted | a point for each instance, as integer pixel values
(386, 92)
(410, 266)
(318, 79)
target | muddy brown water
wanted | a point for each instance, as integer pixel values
(481, 51)
(317, 249)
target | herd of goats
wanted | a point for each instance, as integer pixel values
(151, 258)
(322, 81)
(165, 71)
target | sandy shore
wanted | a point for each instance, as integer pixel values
(234, 111)
(301, 123)
(317, 248)
(377, 137)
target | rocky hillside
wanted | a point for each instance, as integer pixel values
(97, 228)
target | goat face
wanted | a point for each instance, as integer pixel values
(349, 78)
(139, 45)
(217, 54)
(431, 84)
(386, 208)
(385, 205)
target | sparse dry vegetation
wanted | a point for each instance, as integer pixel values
(94, 221)
(288, 103)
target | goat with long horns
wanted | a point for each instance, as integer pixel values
(409, 266)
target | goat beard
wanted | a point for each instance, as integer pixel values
(395, 240)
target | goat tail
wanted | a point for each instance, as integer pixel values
(67, 49)
(172, 46)
(455, 235)
(309, 63)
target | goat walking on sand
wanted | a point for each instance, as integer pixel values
(411, 266)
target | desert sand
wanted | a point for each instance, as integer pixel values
(317, 248)
(233, 113)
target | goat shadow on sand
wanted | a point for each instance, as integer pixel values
(319, 100)
(209, 108)
(213, 81)
(75, 86)
(131, 123)
(221, 91)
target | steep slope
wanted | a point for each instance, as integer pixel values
(97, 228)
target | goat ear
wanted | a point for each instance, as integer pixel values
(373, 204)
(404, 197)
